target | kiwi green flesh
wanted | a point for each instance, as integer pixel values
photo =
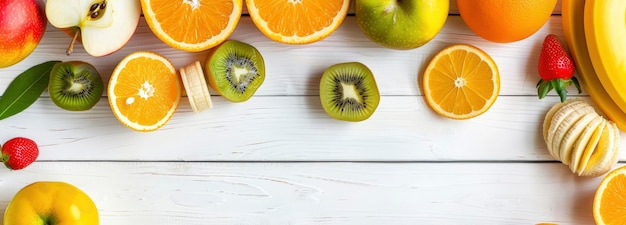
(348, 91)
(75, 85)
(235, 70)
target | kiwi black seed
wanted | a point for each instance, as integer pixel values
(235, 70)
(348, 91)
(75, 85)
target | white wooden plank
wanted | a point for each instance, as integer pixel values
(321, 193)
(295, 69)
(291, 128)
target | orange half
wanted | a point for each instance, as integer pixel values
(144, 91)
(192, 25)
(461, 82)
(609, 203)
(297, 21)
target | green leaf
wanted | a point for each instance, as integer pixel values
(25, 89)
(543, 87)
(575, 81)
(559, 87)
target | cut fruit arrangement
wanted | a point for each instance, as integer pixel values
(460, 82)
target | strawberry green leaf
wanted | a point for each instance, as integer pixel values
(575, 81)
(25, 89)
(543, 88)
(559, 86)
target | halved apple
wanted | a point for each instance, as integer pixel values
(103, 26)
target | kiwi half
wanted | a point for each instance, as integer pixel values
(348, 91)
(235, 70)
(75, 85)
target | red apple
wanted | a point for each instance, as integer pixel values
(22, 24)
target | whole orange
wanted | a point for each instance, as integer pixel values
(505, 20)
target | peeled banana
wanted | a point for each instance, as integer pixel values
(580, 138)
(196, 87)
(574, 27)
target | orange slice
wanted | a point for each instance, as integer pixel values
(297, 21)
(609, 203)
(144, 91)
(192, 25)
(461, 82)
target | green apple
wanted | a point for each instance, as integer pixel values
(22, 25)
(401, 24)
(51, 203)
(104, 26)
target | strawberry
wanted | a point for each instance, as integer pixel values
(19, 152)
(556, 69)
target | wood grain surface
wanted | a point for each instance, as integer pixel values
(280, 159)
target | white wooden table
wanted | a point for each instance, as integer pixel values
(279, 159)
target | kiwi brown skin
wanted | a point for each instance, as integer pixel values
(75, 85)
(348, 91)
(233, 57)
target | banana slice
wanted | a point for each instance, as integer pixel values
(572, 135)
(581, 142)
(563, 119)
(605, 155)
(196, 87)
(590, 147)
(548, 119)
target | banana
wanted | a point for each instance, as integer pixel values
(548, 129)
(561, 121)
(572, 14)
(605, 32)
(580, 138)
(605, 154)
(548, 119)
(589, 147)
(196, 87)
(572, 135)
(582, 141)
(566, 124)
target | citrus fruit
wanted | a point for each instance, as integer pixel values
(144, 91)
(505, 20)
(297, 21)
(609, 202)
(192, 25)
(461, 82)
